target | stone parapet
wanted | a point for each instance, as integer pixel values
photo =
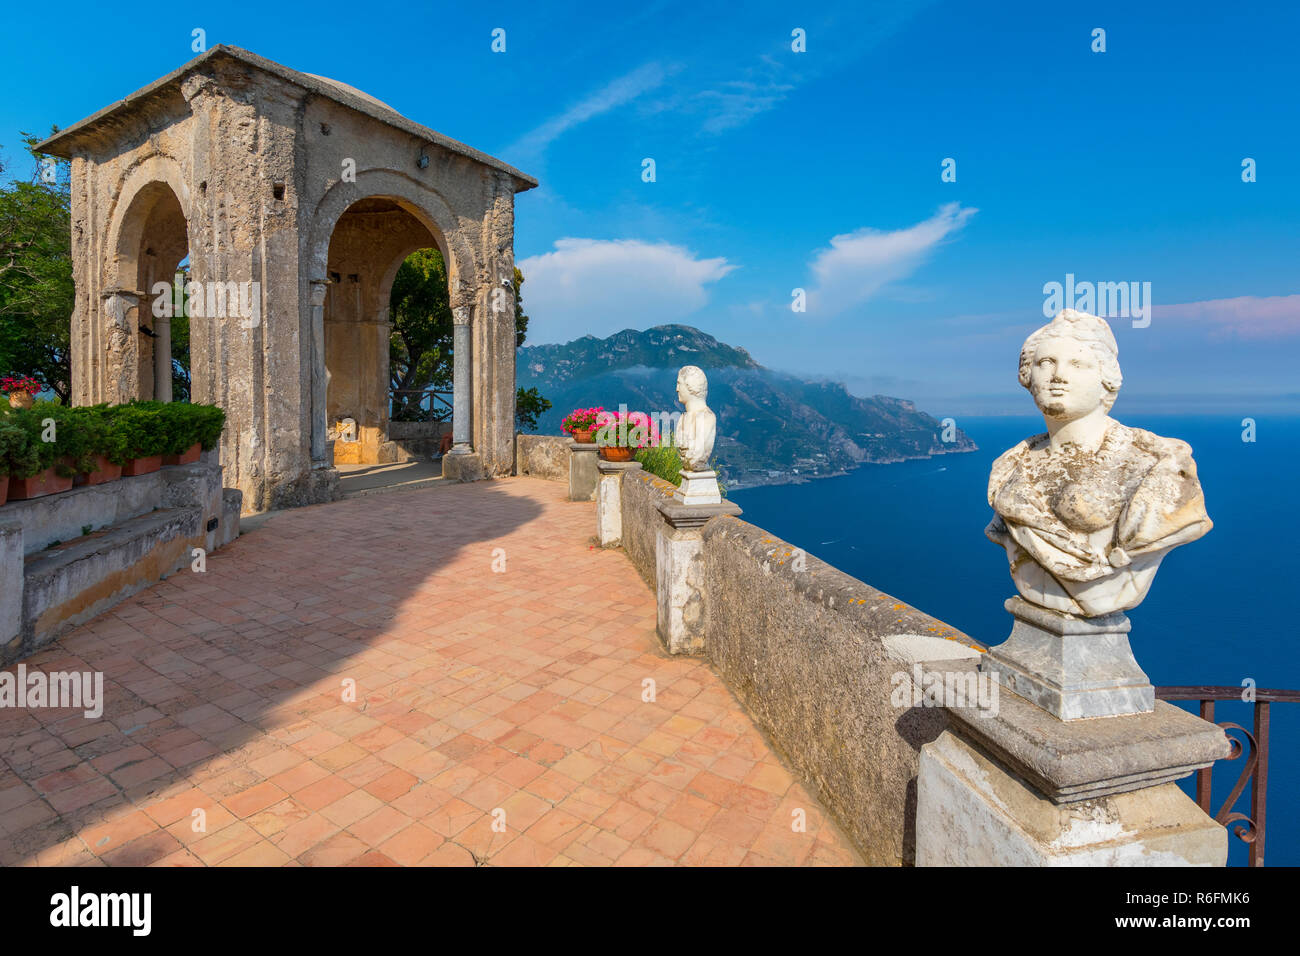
(543, 456)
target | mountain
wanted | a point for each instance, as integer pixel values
(773, 427)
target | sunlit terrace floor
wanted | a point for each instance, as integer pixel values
(476, 690)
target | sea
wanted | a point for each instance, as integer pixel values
(1219, 613)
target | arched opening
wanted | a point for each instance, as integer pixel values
(153, 256)
(370, 241)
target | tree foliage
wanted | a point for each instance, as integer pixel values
(37, 294)
(420, 352)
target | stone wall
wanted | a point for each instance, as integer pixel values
(642, 520)
(816, 657)
(141, 529)
(543, 456)
(813, 655)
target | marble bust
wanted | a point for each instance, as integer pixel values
(697, 428)
(1087, 511)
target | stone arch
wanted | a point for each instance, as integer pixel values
(128, 213)
(369, 242)
(421, 201)
(148, 237)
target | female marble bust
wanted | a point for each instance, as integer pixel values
(1087, 511)
(697, 428)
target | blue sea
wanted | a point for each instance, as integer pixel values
(1220, 610)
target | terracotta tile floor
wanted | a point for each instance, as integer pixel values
(497, 716)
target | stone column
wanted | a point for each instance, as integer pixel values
(609, 501)
(462, 462)
(162, 358)
(679, 572)
(121, 361)
(461, 397)
(319, 377)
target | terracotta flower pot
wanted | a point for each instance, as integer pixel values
(105, 471)
(141, 466)
(47, 482)
(188, 457)
(583, 436)
(21, 400)
(617, 453)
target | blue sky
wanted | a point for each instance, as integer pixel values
(820, 170)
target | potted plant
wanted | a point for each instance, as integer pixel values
(139, 437)
(580, 423)
(192, 430)
(21, 389)
(39, 467)
(182, 438)
(94, 465)
(621, 434)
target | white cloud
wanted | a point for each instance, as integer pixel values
(859, 264)
(600, 286)
(1245, 317)
(622, 90)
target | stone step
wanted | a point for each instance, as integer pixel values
(67, 585)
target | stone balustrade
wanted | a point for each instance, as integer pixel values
(832, 670)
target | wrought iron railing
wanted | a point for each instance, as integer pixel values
(420, 404)
(1249, 828)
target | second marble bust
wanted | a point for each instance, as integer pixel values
(1087, 511)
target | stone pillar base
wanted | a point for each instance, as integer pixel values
(583, 474)
(462, 467)
(972, 812)
(1071, 667)
(679, 570)
(609, 501)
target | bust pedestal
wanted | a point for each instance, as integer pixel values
(698, 488)
(583, 457)
(1071, 667)
(609, 501)
(1017, 785)
(679, 570)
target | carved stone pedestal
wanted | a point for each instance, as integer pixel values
(698, 488)
(679, 563)
(1019, 787)
(971, 811)
(583, 474)
(1071, 667)
(609, 501)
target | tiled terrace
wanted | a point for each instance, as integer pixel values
(476, 690)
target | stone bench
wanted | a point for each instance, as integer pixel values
(122, 536)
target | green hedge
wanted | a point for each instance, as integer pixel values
(665, 461)
(118, 432)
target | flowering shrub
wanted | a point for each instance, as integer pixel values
(29, 445)
(581, 420)
(626, 430)
(25, 383)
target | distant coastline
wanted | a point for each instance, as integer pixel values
(794, 476)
